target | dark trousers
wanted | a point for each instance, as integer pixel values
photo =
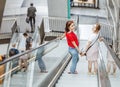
(32, 23)
(28, 46)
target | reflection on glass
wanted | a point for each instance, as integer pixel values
(41, 63)
(113, 71)
(111, 67)
(23, 62)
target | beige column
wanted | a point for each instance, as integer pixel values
(2, 6)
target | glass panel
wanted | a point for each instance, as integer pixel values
(111, 67)
(20, 69)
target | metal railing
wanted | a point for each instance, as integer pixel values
(113, 13)
(56, 24)
(53, 27)
(107, 32)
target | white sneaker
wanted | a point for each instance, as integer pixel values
(93, 73)
(89, 73)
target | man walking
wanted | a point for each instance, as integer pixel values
(31, 15)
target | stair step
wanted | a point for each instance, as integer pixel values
(19, 75)
(17, 86)
(85, 84)
(18, 82)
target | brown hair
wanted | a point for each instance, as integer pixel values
(68, 23)
(25, 34)
(98, 27)
(14, 45)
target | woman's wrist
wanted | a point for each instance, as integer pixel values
(84, 52)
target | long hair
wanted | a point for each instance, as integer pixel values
(68, 23)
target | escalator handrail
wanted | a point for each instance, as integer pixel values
(60, 71)
(26, 52)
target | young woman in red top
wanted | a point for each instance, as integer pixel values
(73, 44)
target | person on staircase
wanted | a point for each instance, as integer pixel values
(73, 45)
(91, 49)
(31, 14)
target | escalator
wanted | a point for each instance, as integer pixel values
(82, 79)
(101, 79)
(16, 39)
(19, 40)
(57, 59)
(33, 73)
(58, 66)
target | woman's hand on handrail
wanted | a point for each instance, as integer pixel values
(62, 36)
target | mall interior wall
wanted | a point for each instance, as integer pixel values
(58, 8)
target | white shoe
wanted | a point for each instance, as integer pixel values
(114, 74)
(93, 73)
(89, 73)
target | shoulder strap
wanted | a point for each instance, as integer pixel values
(93, 42)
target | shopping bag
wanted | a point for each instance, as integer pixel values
(27, 19)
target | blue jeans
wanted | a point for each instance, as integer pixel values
(75, 59)
(41, 63)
